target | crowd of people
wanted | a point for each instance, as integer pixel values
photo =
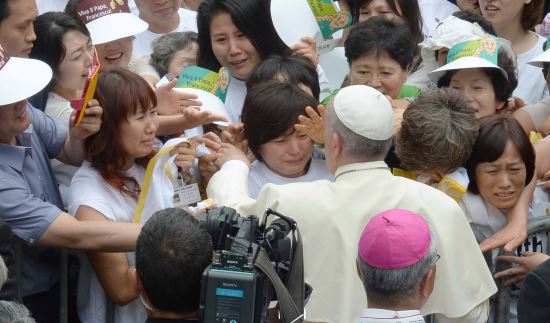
(405, 180)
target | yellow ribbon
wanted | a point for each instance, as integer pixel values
(147, 180)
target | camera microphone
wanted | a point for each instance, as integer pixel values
(278, 229)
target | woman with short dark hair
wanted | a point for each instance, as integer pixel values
(486, 75)
(64, 43)
(381, 54)
(409, 11)
(283, 154)
(500, 167)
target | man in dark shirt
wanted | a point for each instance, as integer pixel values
(173, 250)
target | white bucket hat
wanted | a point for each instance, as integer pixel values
(109, 20)
(480, 53)
(21, 78)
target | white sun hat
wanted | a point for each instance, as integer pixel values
(21, 78)
(481, 53)
(109, 20)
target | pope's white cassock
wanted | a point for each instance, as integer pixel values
(331, 217)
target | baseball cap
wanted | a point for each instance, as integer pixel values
(480, 53)
(109, 20)
(365, 111)
(21, 78)
(394, 239)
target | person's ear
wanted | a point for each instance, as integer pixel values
(500, 105)
(135, 281)
(358, 268)
(337, 144)
(427, 284)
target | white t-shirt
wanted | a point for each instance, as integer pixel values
(88, 188)
(260, 175)
(143, 41)
(489, 220)
(433, 12)
(531, 83)
(236, 93)
(59, 107)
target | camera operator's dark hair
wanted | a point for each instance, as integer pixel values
(380, 34)
(270, 110)
(172, 251)
(293, 69)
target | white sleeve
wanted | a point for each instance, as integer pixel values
(86, 192)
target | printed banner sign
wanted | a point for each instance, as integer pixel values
(328, 18)
(81, 104)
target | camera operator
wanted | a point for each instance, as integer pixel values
(173, 250)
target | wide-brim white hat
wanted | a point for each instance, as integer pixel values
(21, 78)
(210, 102)
(464, 63)
(541, 59)
(115, 26)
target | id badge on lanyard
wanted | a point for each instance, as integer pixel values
(186, 190)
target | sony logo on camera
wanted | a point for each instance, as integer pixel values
(234, 285)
